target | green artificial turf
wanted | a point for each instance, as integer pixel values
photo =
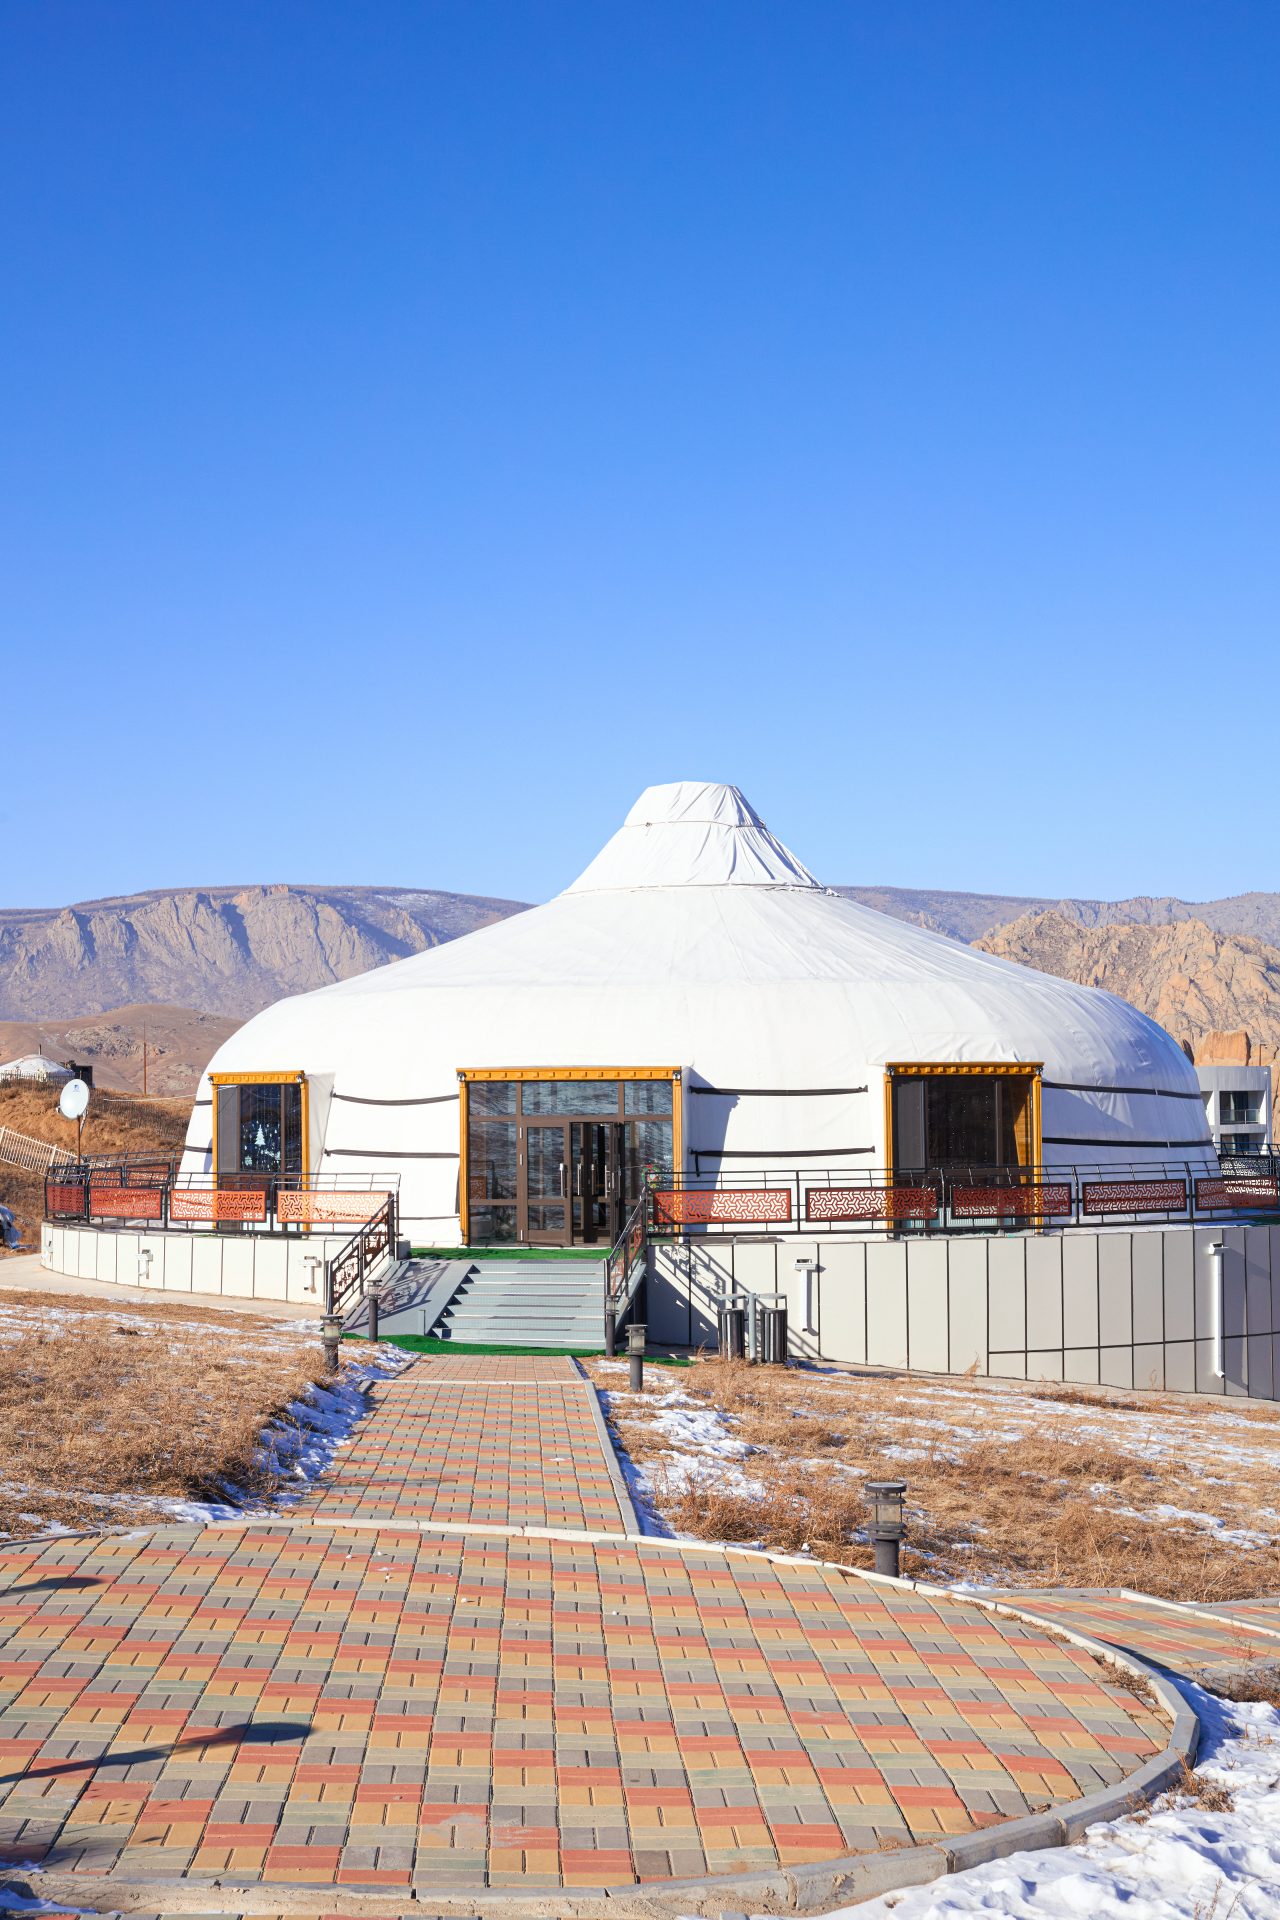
(423, 1343)
(508, 1253)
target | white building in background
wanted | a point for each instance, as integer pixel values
(1237, 1105)
(36, 1068)
(695, 1002)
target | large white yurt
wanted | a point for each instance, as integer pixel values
(695, 1000)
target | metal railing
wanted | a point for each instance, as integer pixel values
(348, 1274)
(625, 1269)
(963, 1199)
(127, 1189)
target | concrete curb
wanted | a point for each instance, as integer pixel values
(625, 1503)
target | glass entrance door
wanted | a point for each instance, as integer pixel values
(596, 1159)
(546, 1184)
(558, 1161)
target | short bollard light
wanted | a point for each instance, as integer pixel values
(373, 1312)
(887, 1500)
(635, 1353)
(331, 1335)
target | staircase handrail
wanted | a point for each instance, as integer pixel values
(346, 1273)
(624, 1269)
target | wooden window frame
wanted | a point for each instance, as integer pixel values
(1032, 1070)
(296, 1077)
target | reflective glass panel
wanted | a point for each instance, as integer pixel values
(491, 1096)
(260, 1134)
(546, 1219)
(646, 1096)
(491, 1226)
(491, 1159)
(291, 1113)
(649, 1145)
(545, 1163)
(570, 1096)
(961, 1127)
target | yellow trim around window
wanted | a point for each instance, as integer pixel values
(264, 1080)
(1010, 1069)
(568, 1073)
(467, 1074)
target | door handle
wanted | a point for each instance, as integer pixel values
(564, 1191)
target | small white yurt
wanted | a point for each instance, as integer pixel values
(695, 1000)
(35, 1067)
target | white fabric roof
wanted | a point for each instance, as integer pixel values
(34, 1066)
(695, 939)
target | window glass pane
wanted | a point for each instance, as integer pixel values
(491, 1160)
(570, 1096)
(546, 1219)
(649, 1146)
(960, 1120)
(491, 1096)
(291, 1111)
(545, 1162)
(647, 1096)
(261, 1144)
(492, 1226)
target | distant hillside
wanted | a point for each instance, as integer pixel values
(226, 950)
(229, 951)
(970, 916)
(179, 1045)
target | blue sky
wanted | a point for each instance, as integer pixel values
(426, 424)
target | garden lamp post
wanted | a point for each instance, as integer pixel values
(886, 1499)
(331, 1334)
(635, 1353)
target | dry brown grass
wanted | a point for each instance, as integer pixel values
(110, 1407)
(1029, 1486)
(114, 1124)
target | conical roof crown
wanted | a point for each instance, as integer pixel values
(691, 833)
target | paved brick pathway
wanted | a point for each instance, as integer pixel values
(366, 1694)
(1184, 1639)
(390, 1708)
(515, 1443)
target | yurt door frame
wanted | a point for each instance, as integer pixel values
(555, 1152)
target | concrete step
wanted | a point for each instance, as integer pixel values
(527, 1303)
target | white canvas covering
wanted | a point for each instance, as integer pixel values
(695, 939)
(34, 1066)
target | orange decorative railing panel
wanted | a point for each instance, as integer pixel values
(318, 1209)
(720, 1206)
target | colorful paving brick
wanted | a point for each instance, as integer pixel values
(449, 1442)
(1183, 1639)
(390, 1708)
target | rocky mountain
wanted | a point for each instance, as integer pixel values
(1218, 993)
(971, 916)
(225, 950)
(1188, 976)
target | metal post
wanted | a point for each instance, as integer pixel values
(1219, 1360)
(372, 1298)
(610, 1332)
(331, 1334)
(635, 1352)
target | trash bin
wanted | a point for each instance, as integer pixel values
(773, 1336)
(733, 1333)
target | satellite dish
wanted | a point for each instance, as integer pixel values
(73, 1100)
